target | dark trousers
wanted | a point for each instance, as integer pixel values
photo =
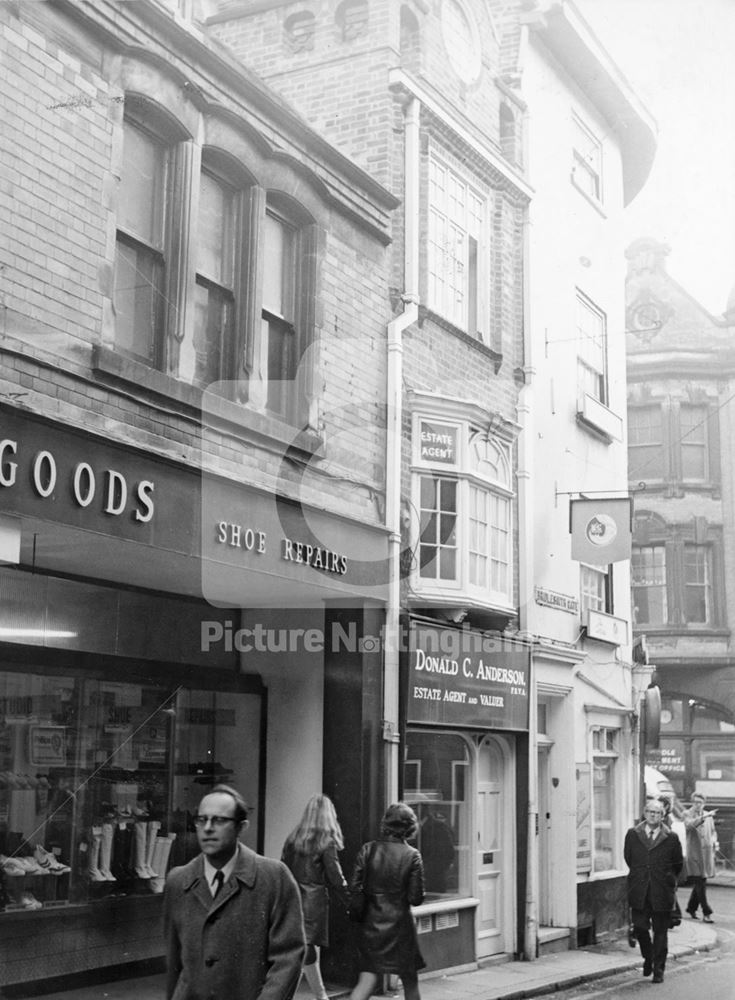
(653, 952)
(698, 896)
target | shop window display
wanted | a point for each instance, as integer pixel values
(436, 771)
(100, 781)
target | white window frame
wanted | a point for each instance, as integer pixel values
(605, 746)
(457, 249)
(688, 443)
(704, 583)
(592, 363)
(595, 588)
(587, 160)
(660, 585)
(470, 474)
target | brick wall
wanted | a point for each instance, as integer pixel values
(63, 119)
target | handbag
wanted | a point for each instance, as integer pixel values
(358, 904)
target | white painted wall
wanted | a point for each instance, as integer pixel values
(294, 745)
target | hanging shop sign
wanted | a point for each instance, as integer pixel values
(601, 529)
(457, 677)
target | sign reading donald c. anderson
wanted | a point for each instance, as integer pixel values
(461, 678)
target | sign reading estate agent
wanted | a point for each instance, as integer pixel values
(457, 677)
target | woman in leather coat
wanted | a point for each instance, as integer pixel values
(310, 852)
(391, 874)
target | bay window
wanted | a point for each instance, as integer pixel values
(464, 505)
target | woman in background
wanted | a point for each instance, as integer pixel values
(310, 852)
(391, 875)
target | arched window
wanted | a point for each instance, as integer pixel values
(298, 31)
(220, 232)
(144, 278)
(410, 40)
(352, 19)
(287, 278)
(508, 133)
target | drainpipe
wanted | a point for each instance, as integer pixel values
(526, 532)
(393, 457)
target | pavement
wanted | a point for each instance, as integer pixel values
(496, 981)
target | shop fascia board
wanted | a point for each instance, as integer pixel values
(53, 548)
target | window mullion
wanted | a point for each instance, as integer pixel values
(250, 349)
(180, 202)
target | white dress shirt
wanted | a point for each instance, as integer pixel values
(210, 871)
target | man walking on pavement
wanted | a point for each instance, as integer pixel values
(232, 918)
(653, 855)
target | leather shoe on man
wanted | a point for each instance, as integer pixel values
(658, 977)
(708, 920)
(647, 967)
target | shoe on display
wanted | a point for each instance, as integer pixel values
(12, 866)
(49, 861)
(32, 867)
(29, 902)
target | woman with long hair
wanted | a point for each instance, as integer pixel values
(310, 852)
(389, 872)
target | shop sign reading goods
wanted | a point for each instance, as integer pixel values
(85, 483)
(461, 678)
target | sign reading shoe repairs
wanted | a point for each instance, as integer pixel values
(456, 677)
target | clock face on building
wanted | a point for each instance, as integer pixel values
(646, 317)
(462, 41)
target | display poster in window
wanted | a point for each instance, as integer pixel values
(584, 818)
(438, 443)
(47, 746)
(457, 677)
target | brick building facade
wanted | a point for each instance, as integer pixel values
(192, 402)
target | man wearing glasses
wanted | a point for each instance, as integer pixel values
(232, 918)
(653, 855)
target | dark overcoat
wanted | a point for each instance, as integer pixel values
(393, 884)
(654, 866)
(316, 874)
(248, 943)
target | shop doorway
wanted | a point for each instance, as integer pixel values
(495, 804)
